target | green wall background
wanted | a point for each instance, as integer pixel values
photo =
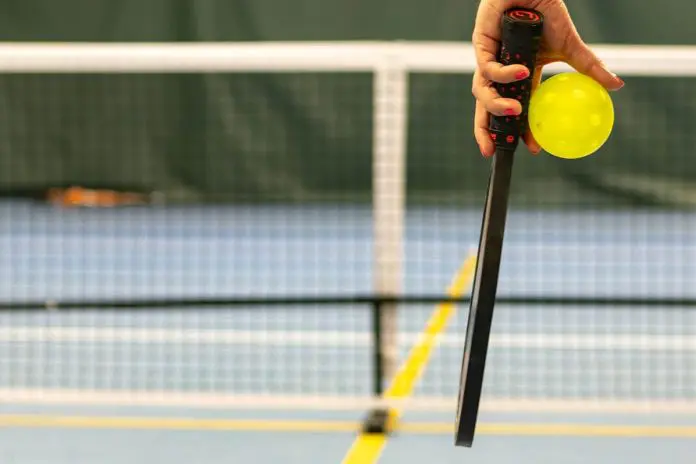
(620, 21)
(301, 138)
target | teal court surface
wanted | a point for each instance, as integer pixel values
(564, 384)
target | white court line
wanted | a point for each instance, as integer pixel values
(639, 342)
(431, 404)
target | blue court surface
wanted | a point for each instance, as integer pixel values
(564, 384)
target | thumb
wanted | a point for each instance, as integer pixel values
(583, 59)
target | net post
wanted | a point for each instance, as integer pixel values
(377, 355)
(390, 119)
(377, 421)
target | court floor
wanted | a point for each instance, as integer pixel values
(183, 436)
(629, 356)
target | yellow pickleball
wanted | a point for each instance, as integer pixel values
(571, 115)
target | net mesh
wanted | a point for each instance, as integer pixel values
(260, 184)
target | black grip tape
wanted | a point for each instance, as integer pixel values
(520, 38)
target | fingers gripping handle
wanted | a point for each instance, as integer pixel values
(521, 34)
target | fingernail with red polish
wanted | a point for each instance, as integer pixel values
(522, 75)
(510, 112)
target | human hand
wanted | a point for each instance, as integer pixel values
(560, 42)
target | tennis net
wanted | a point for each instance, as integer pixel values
(273, 224)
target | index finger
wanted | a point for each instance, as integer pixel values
(486, 34)
(486, 42)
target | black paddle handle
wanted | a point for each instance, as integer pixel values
(521, 30)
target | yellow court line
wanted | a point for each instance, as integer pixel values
(319, 426)
(175, 423)
(367, 448)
